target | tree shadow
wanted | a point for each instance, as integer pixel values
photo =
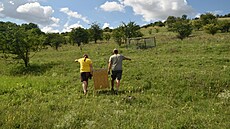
(34, 69)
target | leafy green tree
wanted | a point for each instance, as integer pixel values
(54, 40)
(107, 36)
(197, 24)
(118, 34)
(107, 29)
(21, 40)
(159, 23)
(79, 35)
(182, 26)
(96, 33)
(183, 29)
(170, 21)
(5, 29)
(131, 30)
(208, 18)
(224, 25)
(211, 28)
(125, 31)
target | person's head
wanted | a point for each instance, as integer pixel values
(85, 56)
(115, 51)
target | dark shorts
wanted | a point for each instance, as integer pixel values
(116, 75)
(85, 76)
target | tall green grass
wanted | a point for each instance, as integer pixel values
(178, 84)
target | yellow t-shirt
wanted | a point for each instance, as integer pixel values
(84, 65)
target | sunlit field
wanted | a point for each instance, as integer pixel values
(177, 84)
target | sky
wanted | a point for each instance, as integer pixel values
(61, 15)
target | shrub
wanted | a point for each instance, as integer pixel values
(211, 28)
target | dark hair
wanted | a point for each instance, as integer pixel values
(85, 56)
(115, 51)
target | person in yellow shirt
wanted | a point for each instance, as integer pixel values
(86, 71)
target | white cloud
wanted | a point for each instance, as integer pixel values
(28, 12)
(68, 28)
(112, 6)
(105, 25)
(48, 29)
(152, 10)
(1, 7)
(74, 14)
(36, 13)
(11, 2)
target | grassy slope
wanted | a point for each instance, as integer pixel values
(178, 84)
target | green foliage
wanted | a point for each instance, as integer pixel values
(54, 40)
(180, 25)
(96, 33)
(125, 31)
(118, 35)
(178, 84)
(79, 35)
(224, 25)
(211, 28)
(197, 24)
(208, 18)
(183, 29)
(170, 21)
(107, 36)
(107, 29)
(21, 40)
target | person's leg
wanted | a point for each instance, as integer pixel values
(118, 80)
(112, 84)
(84, 86)
(113, 78)
(118, 84)
(84, 79)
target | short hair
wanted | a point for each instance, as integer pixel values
(115, 51)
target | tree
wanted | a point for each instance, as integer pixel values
(125, 31)
(181, 25)
(5, 35)
(21, 40)
(224, 25)
(107, 29)
(170, 21)
(211, 28)
(208, 18)
(79, 35)
(54, 40)
(107, 36)
(118, 34)
(131, 30)
(95, 32)
(197, 24)
(183, 29)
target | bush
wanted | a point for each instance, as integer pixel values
(211, 28)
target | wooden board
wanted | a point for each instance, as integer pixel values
(100, 79)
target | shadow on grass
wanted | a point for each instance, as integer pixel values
(147, 86)
(34, 69)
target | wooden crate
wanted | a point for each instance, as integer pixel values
(100, 79)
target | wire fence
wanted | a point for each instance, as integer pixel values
(141, 42)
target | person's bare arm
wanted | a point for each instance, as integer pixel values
(109, 67)
(126, 58)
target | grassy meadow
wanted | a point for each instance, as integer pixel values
(177, 84)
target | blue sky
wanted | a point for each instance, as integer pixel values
(62, 15)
